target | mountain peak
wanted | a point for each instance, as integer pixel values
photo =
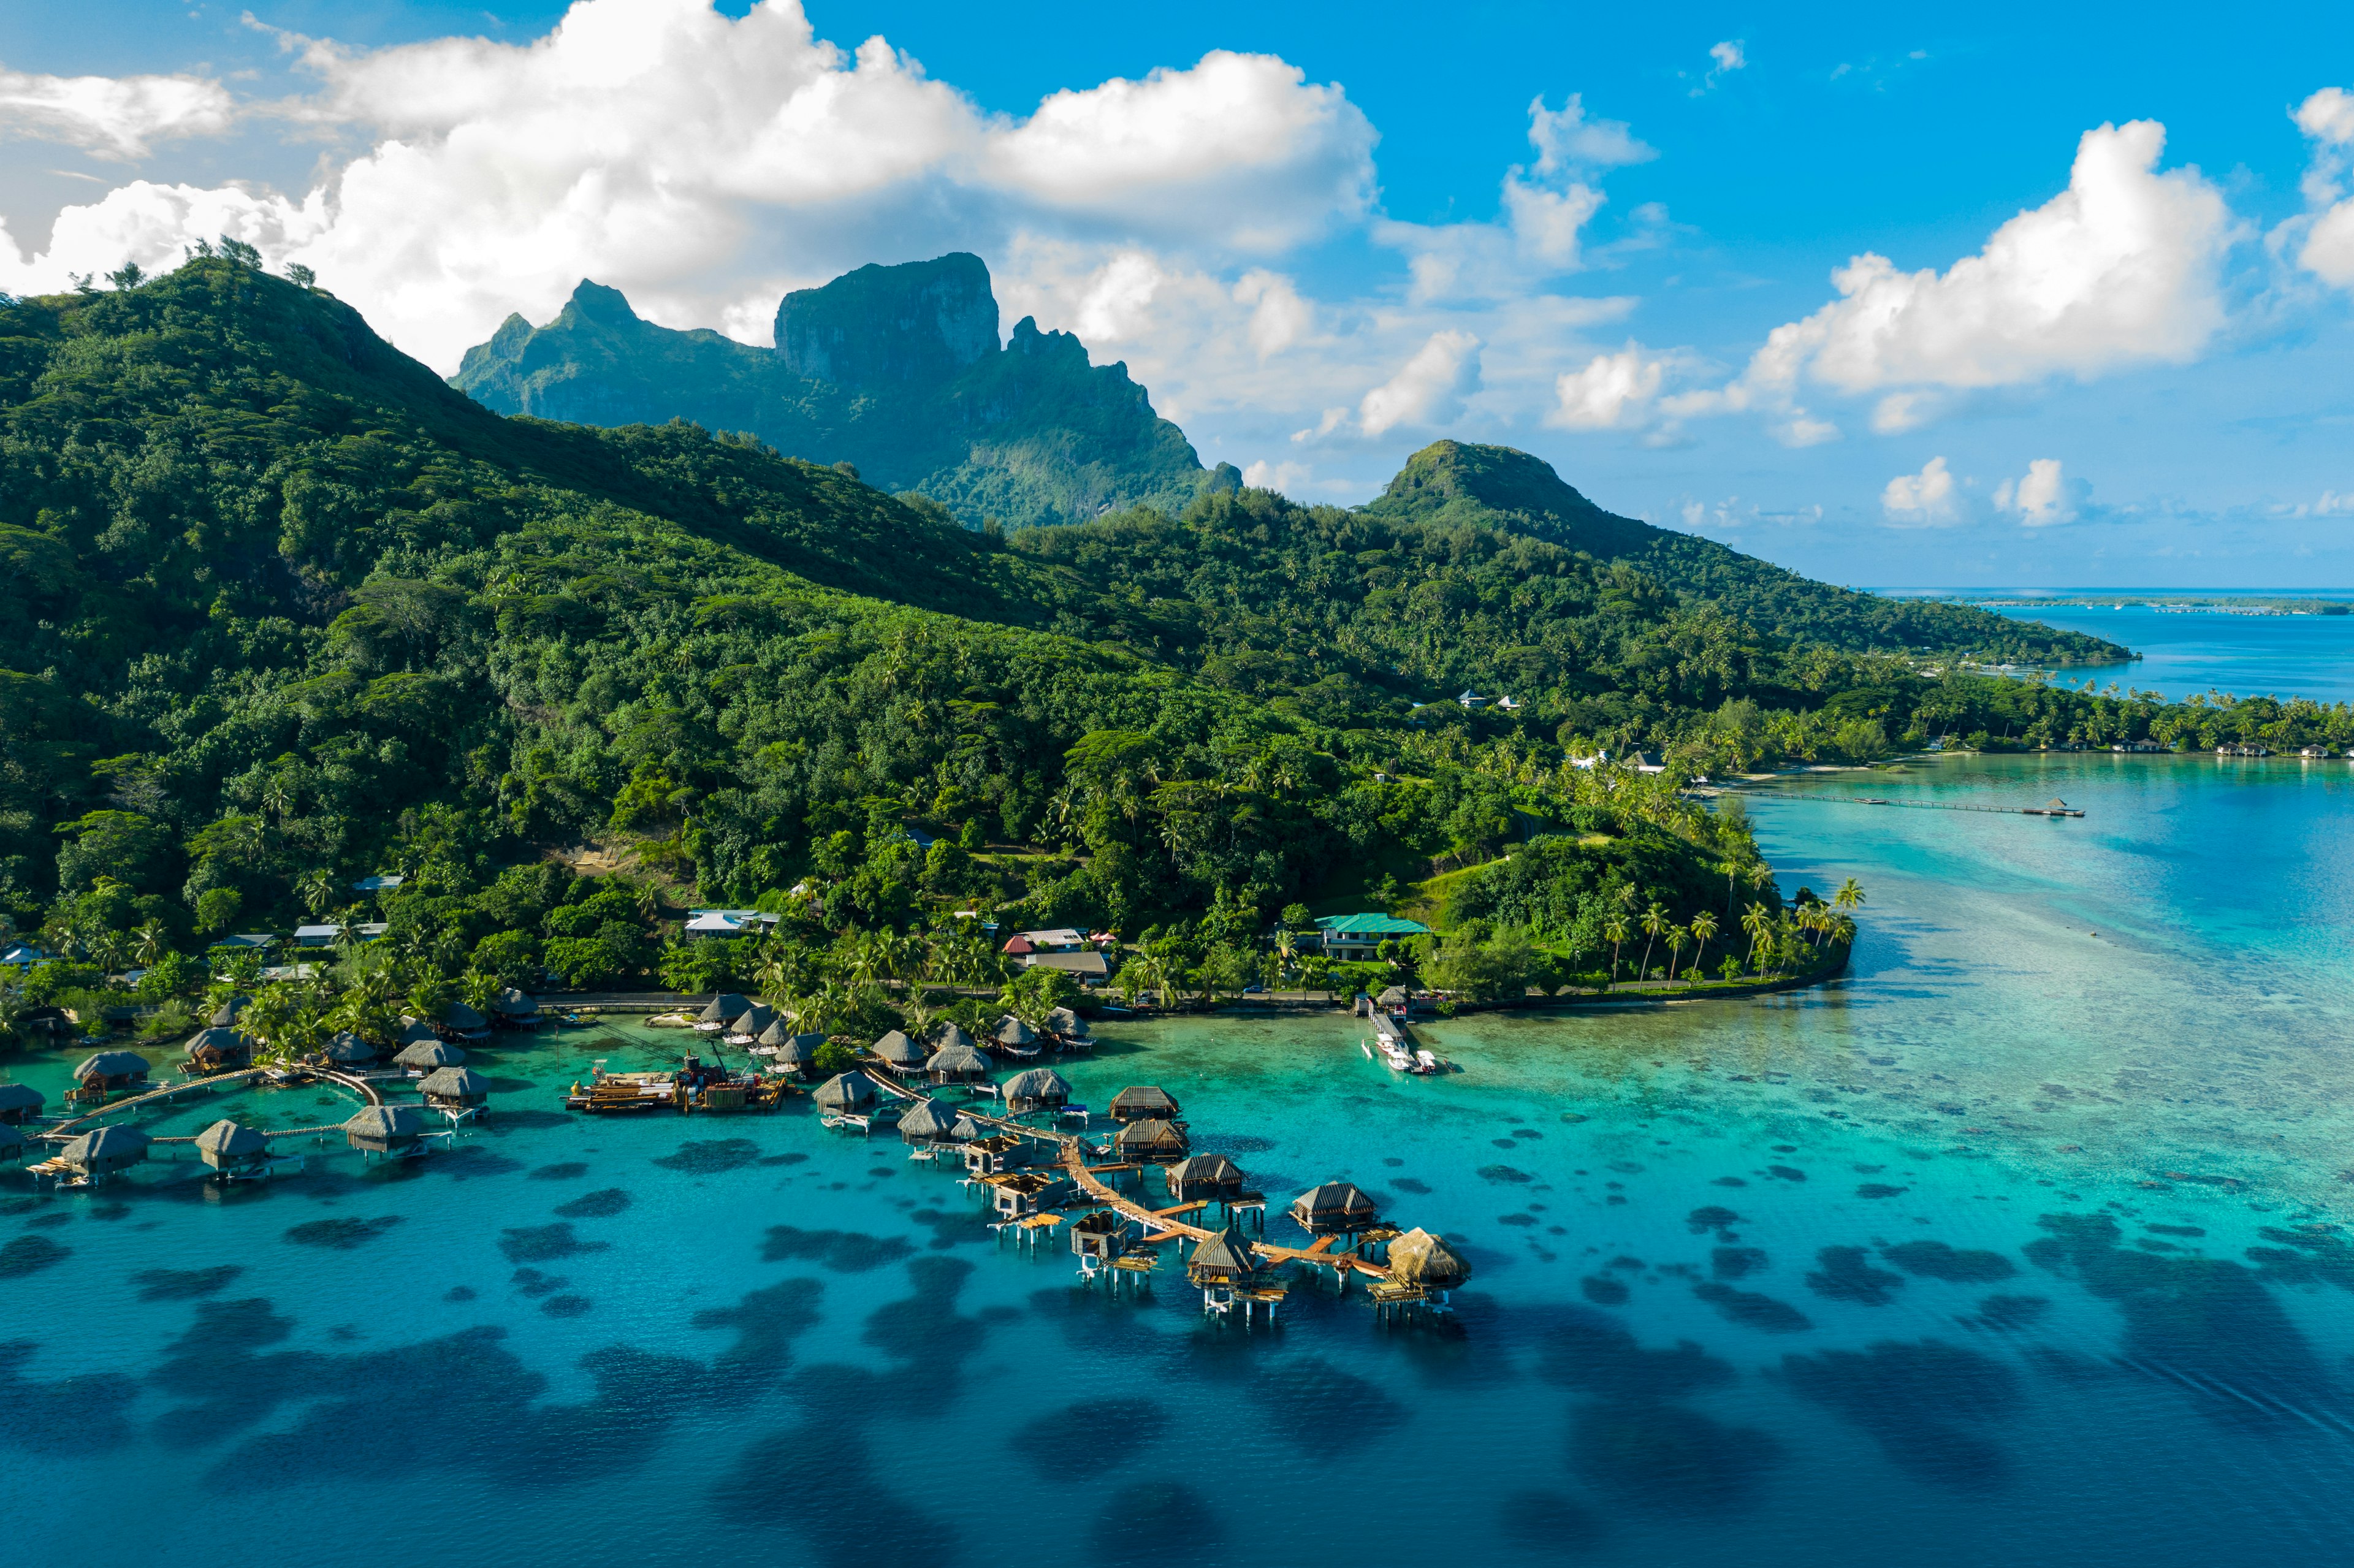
(919, 322)
(594, 302)
(1449, 478)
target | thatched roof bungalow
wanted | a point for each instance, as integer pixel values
(1150, 1142)
(511, 1006)
(929, 1122)
(454, 1088)
(19, 1101)
(225, 1014)
(950, 1034)
(385, 1130)
(415, 1032)
(1226, 1258)
(726, 1008)
(967, 1130)
(111, 1070)
(427, 1055)
(853, 1092)
(349, 1050)
(959, 1064)
(464, 1022)
(795, 1054)
(898, 1053)
(105, 1151)
(754, 1021)
(1012, 1031)
(1145, 1100)
(1204, 1176)
(1418, 1257)
(1336, 1208)
(217, 1048)
(1040, 1088)
(231, 1146)
(1067, 1024)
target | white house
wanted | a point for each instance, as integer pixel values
(728, 923)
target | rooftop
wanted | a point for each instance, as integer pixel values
(1370, 926)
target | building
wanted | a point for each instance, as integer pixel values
(328, 934)
(728, 923)
(381, 882)
(1352, 936)
(1088, 968)
(23, 957)
(1028, 944)
(246, 942)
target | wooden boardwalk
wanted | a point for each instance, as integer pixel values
(241, 1077)
(1160, 1225)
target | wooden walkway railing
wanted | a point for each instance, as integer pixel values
(65, 1131)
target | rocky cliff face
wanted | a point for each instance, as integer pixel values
(898, 370)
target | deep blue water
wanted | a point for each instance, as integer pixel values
(2185, 653)
(2022, 1242)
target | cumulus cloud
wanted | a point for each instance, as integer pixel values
(2326, 251)
(2044, 496)
(704, 164)
(1568, 138)
(113, 117)
(1612, 392)
(1429, 389)
(2122, 269)
(1926, 499)
(2332, 504)
(1725, 57)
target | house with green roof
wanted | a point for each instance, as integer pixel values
(1352, 936)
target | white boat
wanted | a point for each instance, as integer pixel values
(1366, 1049)
(1424, 1062)
(1396, 1057)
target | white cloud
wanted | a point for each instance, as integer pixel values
(113, 117)
(2122, 269)
(1567, 138)
(2045, 496)
(1430, 388)
(1927, 499)
(704, 164)
(1614, 391)
(1113, 309)
(1726, 57)
(2332, 504)
(1280, 317)
(1282, 477)
(2326, 117)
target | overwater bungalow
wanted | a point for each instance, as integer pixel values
(1336, 1208)
(232, 1149)
(19, 1102)
(455, 1090)
(790, 1052)
(511, 1009)
(966, 1130)
(397, 1131)
(1142, 1102)
(226, 1014)
(898, 1053)
(429, 1055)
(415, 1032)
(1068, 1026)
(1099, 1238)
(748, 1026)
(348, 1050)
(217, 1049)
(722, 1010)
(950, 1034)
(1150, 1142)
(1204, 1176)
(1026, 1192)
(1015, 1038)
(928, 1125)
(1040, 1088)
(464, 1023)
(960, 1063)
(93, 1157)
(845, 1094)
(111, 1070)
(1424, 1260)
(997, 1154)
(1227, 1259)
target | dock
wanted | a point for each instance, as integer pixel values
(2055, 806)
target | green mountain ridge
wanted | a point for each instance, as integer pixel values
(895, 370)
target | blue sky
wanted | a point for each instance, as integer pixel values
(1325, 235)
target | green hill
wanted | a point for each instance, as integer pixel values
(895, 370)
(1457, 481)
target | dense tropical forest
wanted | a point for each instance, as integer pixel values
(278, 610)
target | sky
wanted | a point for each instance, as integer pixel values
(2025, 296)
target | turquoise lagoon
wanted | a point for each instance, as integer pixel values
(1890, 1271)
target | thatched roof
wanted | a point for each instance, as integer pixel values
(952, 1034)
(384, 1127)
(464, 1019)
(754, 1021)
(897, 1050)
(1334, 1206)
(217, 1044)
(112, 1065)
(414, 1031)
(427, 1055)
(107, 1148)
(966, 1130)
(799, 1050)
(1225, 1254)
(1149, 1139)
(1143, 1100)
(1393, 997)
(20, 1097)
(1419, 1257)
(350, 1049)
(230, 1143)
(225, 1014)
(776, 1034)
(1012, 1031)
(1064, 1021)
(959, 1061)
(455, 1084)
(1206, 1170)
(928, 1121)
(726, 1007)
(513, 1003)
(1039, 1086)
(845, 1091)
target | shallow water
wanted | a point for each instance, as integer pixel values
(1888, 1271)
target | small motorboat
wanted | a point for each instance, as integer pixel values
(574, 1021)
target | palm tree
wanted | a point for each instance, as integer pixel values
(317, 891)
(1677, 937)
(1655, 920)
(153, 944)
(1757, 923)
(1703, 927)
(1848, 896)
(1614, 931)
